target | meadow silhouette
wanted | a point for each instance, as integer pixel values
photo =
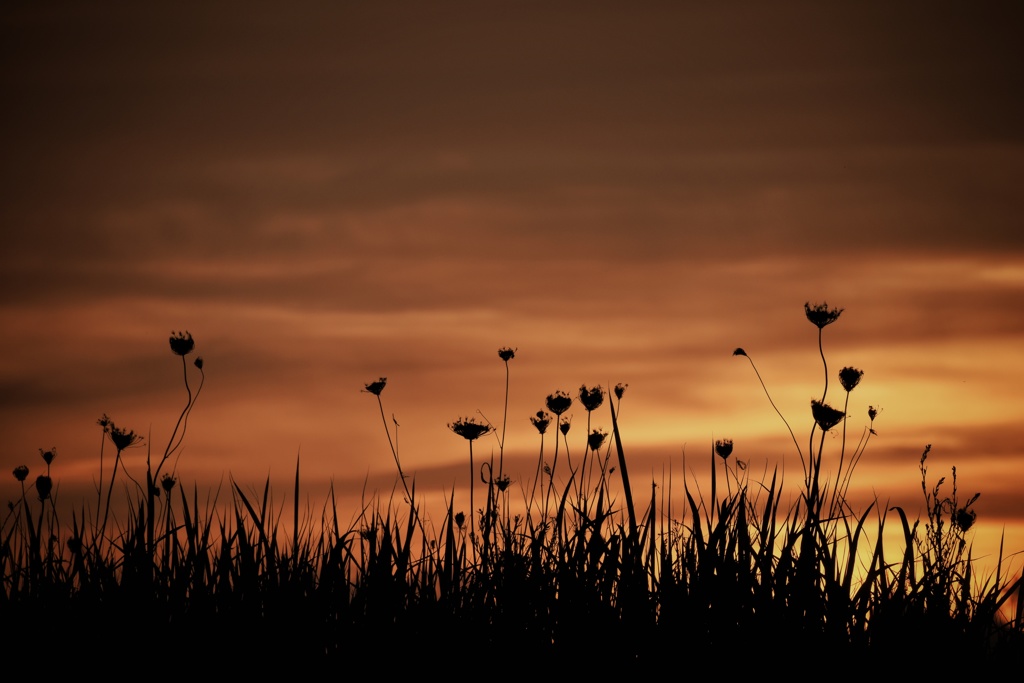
(576, 570)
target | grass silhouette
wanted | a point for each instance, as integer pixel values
(575, 582)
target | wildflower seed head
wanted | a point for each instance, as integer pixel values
(559, 402)
(43, 486)
(182, 343)
(739, 352)
(198, 362)
(49, 455)
(376, 387)
(821, 315)
(469, 429)
(460, 519)
(104, 422)
(850, 378)
(502, 483)
(564, 425)
(591, 398)
(122, 438)
(619, 390)
(872, 413)
(541, 421)
(825, 415)
(21, 472)
(596, 439)
(963, 518)
(723, 448)
(168, 482)
(506, 354)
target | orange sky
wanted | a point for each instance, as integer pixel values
(343, 191)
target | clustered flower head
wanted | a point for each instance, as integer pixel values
(591, 398)
(43, 486)
(620, 389)
(564, 425)
(168, 482)
(723, 448)
(469, 429)
(596, 439)
(182, 343)
(963, 518)
(739, 352)
(559, 402)
(541, 421)
(821, 315)
(872, 413)
(376, 387)
(506, 354)
(850, 378)
(21, 472)
(122, 438)
(49, 455)
(825, 415)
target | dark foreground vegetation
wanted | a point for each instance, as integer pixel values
(579, 571)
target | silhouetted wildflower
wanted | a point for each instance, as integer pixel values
(502, 482)
(198, 362)
(964, 518)
(506, 354)
(723, 448)
(376, 387)
(541, 421)
(564, 425)
(821, 315)
(21, 472)
(123, 439)
(872, 413)
(43, 486)
(559, 402)
(181, 343)
(168, 482)
(469, 429)
(596, 439)
(104, 422)
(591, 398)
(620, 389)
(850, 378)
(460, 519)
(49, 455)
(825, 415)
(739, 352)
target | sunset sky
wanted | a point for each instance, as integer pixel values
(330, 192)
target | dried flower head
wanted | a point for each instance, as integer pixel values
(503, 483)
(49, 455)
(541, 421)
(591, 398)
(104, 422)
(122, 438)
(872, 413)
(964, 519)
(619, 390)
(821, 315)
(825, 415)
(21, 472)
(564, 425)
(559, 402)
(739, 352)
(43, 486)
(168, 482)
(850, 378)
(182, 343)
(198, 362)
(723, 448)
(469, 429)
(596, 439)
(506, 354)
(376, 387)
